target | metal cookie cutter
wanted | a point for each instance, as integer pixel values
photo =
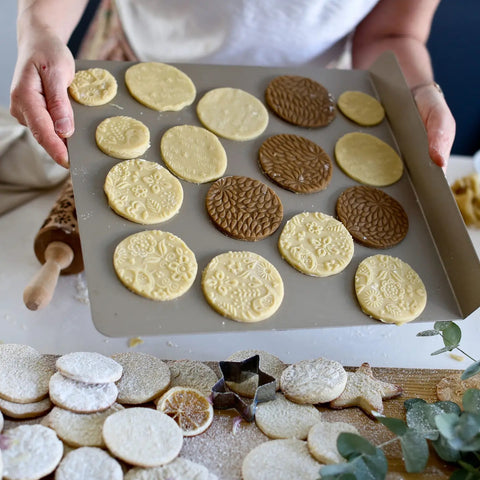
(238, 372)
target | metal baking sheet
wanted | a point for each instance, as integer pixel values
(309, 302)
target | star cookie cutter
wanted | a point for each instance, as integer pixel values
(237, 372)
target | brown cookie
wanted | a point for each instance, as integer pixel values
(300, 101)
(244, 208)
(372, 217)
(295, 163)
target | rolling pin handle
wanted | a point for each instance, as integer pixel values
(39, 291)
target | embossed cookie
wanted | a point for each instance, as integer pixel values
(244, 208)
(242, 286)
(316, 244)
(361, 108)
(193, 374)
(389, 290)
(155, 264)
(373, 218)
(93, 87)
(295, 163)
(301, 101)
(451, 388)
(180, 468)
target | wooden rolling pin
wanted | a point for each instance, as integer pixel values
(57, 247)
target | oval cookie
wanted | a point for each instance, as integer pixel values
(295, 163)
(244, 208)
(93, 87)
(361, 108)
(300, 101)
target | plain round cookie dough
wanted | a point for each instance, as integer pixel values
(143, 192)
(24, 410)
(193, 153)
(160, 86)
(155, 264)
(281, 418)
(280, 460)
(389, 290)
(368, 160)
(143, 437)
(93, 87)
(122, 137)
(192, 374)
(313, 381)
(232, 113)
(316, 244)
(361, 108)
(242, 286)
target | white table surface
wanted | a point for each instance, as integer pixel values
(65, 325)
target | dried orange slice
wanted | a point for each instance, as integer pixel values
(189, 408)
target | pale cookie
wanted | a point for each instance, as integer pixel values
(281, 418)
(155, 264)
(30, 452)
(89, 367)
(232, 113)
(122, 137)
(242, 286)
(268, 363)
(24, 373)
(88, 463)
(316, 244)
(368, 160)
(365, 391)
(322, 440)
(361, 108)
(466, 191)
(93, 87)
(313, 381)
(160, 86)
(192, 374)
(193, 153)
(25, 410)
(389, 290)
(280, 460)
(80, 429)
(180, 468)
(143, 437)
(143, 192)
(81, 397)
(1, 422)
(452, 387)
(144, 378)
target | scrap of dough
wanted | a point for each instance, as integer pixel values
(155, 264)
(232, 113)
(193, 153)
(160, 86)
(93, 87)
(361, 108)
(389, 290)
(143, 192)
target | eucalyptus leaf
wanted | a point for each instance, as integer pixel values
(468, 432)
(445, 451)
(472, 370)
(428, 333)
(443, 350)
(415, 451)
(395, 425)
(339, 471)
(471, 401)
(451, 333)
(351, 445)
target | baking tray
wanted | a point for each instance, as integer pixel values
(437, 245)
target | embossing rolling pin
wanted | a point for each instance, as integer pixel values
(57, 247)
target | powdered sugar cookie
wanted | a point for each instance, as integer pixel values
(31, 452)
(1, 422)
(281, 460)
(80, 429)
(89, 367)
(281, 418)
(142, 437)
(313, 381)
(93, 87)
(24, 373)
(81, 397)
(144, 378)
(322, 440)
(192, 374)
(88, 463)
(25, 410)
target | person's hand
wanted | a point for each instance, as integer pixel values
(39, 99)
(438, 121)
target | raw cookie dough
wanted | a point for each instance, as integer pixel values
(367, 159)
(155, 264)
(389, 290)
(122, 137)
(143, 192)
(93, 87)
(242, 286)
(232, 113)
(361, 108)
(193, 153)
(316, 244)
(160, 86)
